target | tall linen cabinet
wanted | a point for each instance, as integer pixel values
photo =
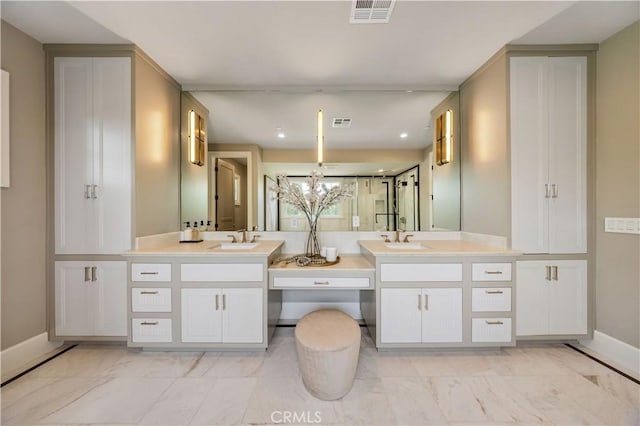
(91, 103)
(527, 120)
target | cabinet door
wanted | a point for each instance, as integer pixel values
(529, 154)
(201, 314)
(400, 315)
(442, 315)
(73, 141)
(567, 94)
(568, 298)
(73, 297)
(532, 298)
(111, 228)
(242, 320)
(110, 299)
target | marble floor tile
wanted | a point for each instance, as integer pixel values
(236, 364)
(367, 404)
(18, 389)
(93, 361)
(179, 403)
(226, 401)
(275, 397)
(31, 408)
(118, 400)
(412, 402)
(154, 364)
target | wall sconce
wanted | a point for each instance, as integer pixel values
(444, 138)
(197, 150)
(320, 137)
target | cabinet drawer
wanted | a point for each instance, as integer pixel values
(491, 272)
(151, 300)
(151, 272)
(491, 299)
(491, 330)
(321, 282)
(421, 272)
(151, 330)
(226, 272)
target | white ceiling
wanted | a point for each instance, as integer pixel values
(271, 64)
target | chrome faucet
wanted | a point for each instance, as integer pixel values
(244, 234)
(397, 238)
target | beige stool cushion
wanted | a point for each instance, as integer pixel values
(328, 345)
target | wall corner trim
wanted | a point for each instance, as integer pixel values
(621, 353)
(19, 358)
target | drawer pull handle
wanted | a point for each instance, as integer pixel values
(149, 292)
(87, 273)
(554, 269)
(94, 276)
(493, 272)
(426, 302)
(224, 302)
(494, 291)
(217, 302)
(149, 323)
(149, 273)
(548, 273)
(321, 282)
(494, 322)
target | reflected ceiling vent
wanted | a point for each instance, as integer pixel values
(371, 11)
(341, 123)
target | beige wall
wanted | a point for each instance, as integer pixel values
(446, 178)
(618, 185)
(485, 154)
(24, 202)
(157, 151)
(194, 188)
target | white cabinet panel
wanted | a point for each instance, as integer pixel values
(151, 299)
(91, 298)
(201, 314)
(321, 282)
(142, 272)
(414, 315)
(486, 330)
(221, 272)
(548, 101)
(551, 298)
(151, 330)
(92, 133)
(442, 315)
(242, 315)
(491, 272)
(415, 272)
(400, 315)
(491, 299)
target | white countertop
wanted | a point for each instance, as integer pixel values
(348, 262)
(437, 248)
(206, 248)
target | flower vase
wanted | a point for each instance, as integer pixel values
(313, 247)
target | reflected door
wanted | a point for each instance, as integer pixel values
(225, 213)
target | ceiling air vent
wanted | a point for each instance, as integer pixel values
(342, 123)
(371, 11)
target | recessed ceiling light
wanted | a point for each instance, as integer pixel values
(281, 135)
(380, 170)
(403, 135)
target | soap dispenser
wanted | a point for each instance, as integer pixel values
(195, 233)
(209, 228)
(188, 232)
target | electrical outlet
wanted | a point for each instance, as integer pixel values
(355, 221)
(294, 222)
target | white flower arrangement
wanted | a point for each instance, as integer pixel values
(311, 203)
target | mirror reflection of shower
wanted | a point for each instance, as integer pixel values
(379, 203)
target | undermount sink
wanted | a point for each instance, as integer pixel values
(237, 246)
(406, 246)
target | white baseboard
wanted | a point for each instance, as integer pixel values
(618, 352)
(24, 355)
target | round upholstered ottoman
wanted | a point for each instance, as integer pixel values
(328, 345)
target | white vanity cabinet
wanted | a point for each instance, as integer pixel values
(93, 167)
(90, 298)
(222, 315)
(552, 298)
(421, 315)
(548, 105)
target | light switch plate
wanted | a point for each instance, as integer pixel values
(355, 221)
(622, 225)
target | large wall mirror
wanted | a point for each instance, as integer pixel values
(381, 142)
